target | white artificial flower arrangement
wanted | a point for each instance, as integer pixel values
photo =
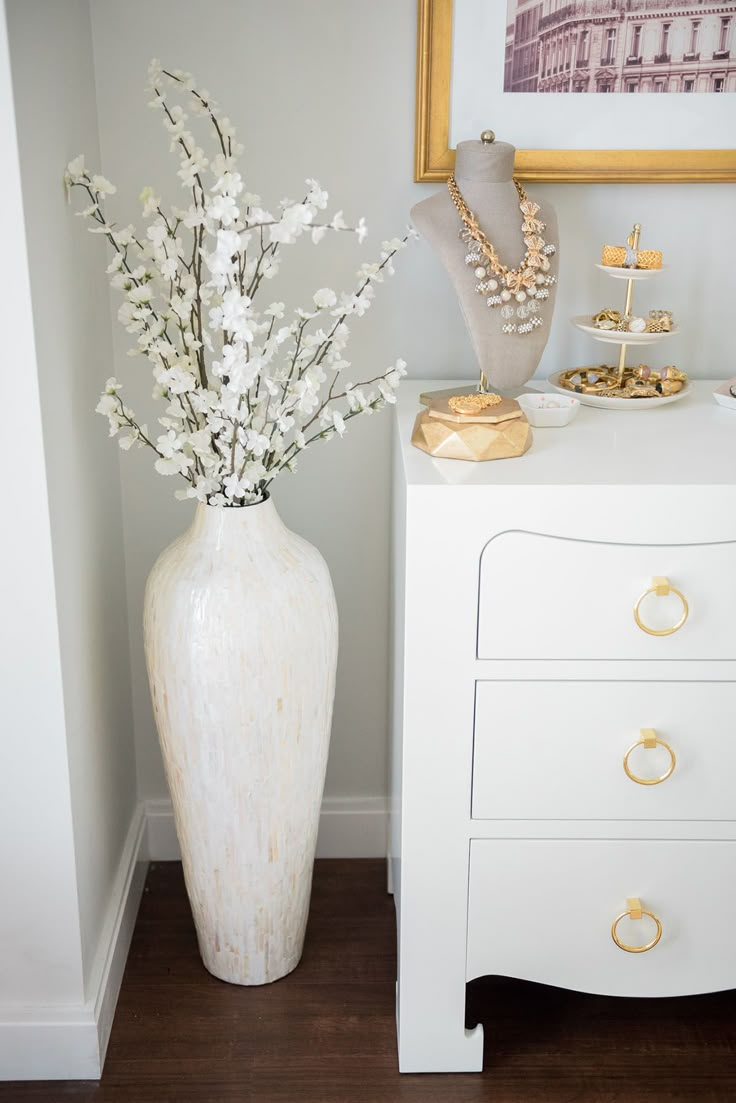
(246, 390)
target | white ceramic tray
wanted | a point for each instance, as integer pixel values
(617, 337)
(723, 394)
(631, 273)
(604, 403)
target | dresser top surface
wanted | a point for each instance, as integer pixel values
(690, 442)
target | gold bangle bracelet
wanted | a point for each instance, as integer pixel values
(615, 256)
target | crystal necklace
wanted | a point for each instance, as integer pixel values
(518, 291)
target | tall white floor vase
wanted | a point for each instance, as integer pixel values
(241, 648)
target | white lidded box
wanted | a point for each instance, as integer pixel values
(549, 410)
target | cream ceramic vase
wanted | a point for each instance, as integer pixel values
(241, 647)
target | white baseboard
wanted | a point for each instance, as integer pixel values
(349, 827)
(69, 1043)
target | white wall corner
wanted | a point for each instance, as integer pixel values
(69, 1043)
(349, 827)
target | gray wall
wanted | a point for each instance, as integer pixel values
(54, 90)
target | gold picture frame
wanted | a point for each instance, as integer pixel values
(434, 160)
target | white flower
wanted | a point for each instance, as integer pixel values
(324, 298)
(150, 201)
(361, 231)
(168, 268)
(223, 208)
(177, 380)
(169, 443)
(242, 394)
(157, 233)
(102, 185)
(76, 168)
(230, 183)
(293, 221)
(356, 399)
(317, 196)
(306, 399)
(256, 443)
(107, 405)
(369, 272)
(177, 464)
(140, 294)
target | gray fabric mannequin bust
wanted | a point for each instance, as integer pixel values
(484, 173)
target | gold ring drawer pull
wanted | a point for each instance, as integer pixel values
(650, 740)
(661, 588)
(634, 910)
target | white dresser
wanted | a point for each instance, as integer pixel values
(522, 678)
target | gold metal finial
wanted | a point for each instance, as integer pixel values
(487, 136)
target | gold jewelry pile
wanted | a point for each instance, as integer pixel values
(640, 382)
(659, 321)
(472, 403)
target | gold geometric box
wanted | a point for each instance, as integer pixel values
(498, 432)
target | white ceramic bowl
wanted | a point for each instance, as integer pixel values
(723, 394)
(545, 411)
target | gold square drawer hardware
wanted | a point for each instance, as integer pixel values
(661, 587)
(604, 750)
(635, 911)
(650, 740)
(570, 919)
(546, 597)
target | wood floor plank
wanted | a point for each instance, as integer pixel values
(326, 1034)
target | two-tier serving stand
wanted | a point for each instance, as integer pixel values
(623, 386)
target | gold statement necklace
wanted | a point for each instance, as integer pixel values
(520, 291)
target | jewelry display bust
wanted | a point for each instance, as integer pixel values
(484, 177)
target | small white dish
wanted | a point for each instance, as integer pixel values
(631, 273)
(723, 394)
(547, 411)
(618, 337)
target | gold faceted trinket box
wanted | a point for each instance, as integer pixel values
(467, 424)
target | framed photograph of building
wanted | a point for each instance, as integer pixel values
(492, 63)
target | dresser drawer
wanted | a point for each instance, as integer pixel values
(555, 750)
(542, 597)
(542, 911)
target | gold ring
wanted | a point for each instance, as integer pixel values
(649, 740)
(636, 913)
(661, 587)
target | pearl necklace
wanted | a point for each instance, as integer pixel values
(528, 284)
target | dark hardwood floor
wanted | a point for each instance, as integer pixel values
(326, 1033)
